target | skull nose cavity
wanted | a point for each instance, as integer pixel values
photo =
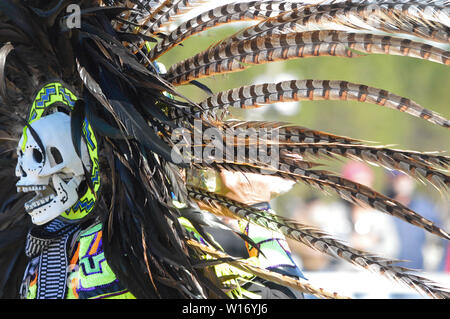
(22, 172)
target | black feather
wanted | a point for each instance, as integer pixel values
(131, 119)
(206, 89)
(77, 117)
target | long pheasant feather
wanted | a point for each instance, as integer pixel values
(177, 9)
(288, 133)
(322, 242)
(427, 21)
(245, 11)
(295, 136)
(303, 90)
(301, 144)
(244, 265)
(237, 56)
(425, 167)
(160, 10)
(388, 158)
(347, 190)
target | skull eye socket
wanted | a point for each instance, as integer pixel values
(37, 155)
(56, 155)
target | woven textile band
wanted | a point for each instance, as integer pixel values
(50, 242)
(53, 271)
(35, 245)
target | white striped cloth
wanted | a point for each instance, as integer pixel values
(50, 244)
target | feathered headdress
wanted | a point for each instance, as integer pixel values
(151, 138)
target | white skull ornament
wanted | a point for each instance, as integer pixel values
(49, 165)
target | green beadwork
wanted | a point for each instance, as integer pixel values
(51, 95)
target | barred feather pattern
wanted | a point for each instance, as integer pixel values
(290, 133)
(266, 274)
(313, 143)
(300, 143)
(149, 5)
(297, 171)
(158, 12)
(245, 11)
(421, 2)
(168, 11)
(294, 168)
(142, 9)
(361, 195)
(303, 90)
(431, 10)
(388, 158)
(422, 166)
(237, 56)
(322, 242)
(429, 21)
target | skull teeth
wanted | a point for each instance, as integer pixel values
(33, 204)
(34, 188)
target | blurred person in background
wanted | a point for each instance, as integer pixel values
(447, 259)
(373, 231)
(273, 252)
(419, 250)
(361, 227)
(330, 217)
